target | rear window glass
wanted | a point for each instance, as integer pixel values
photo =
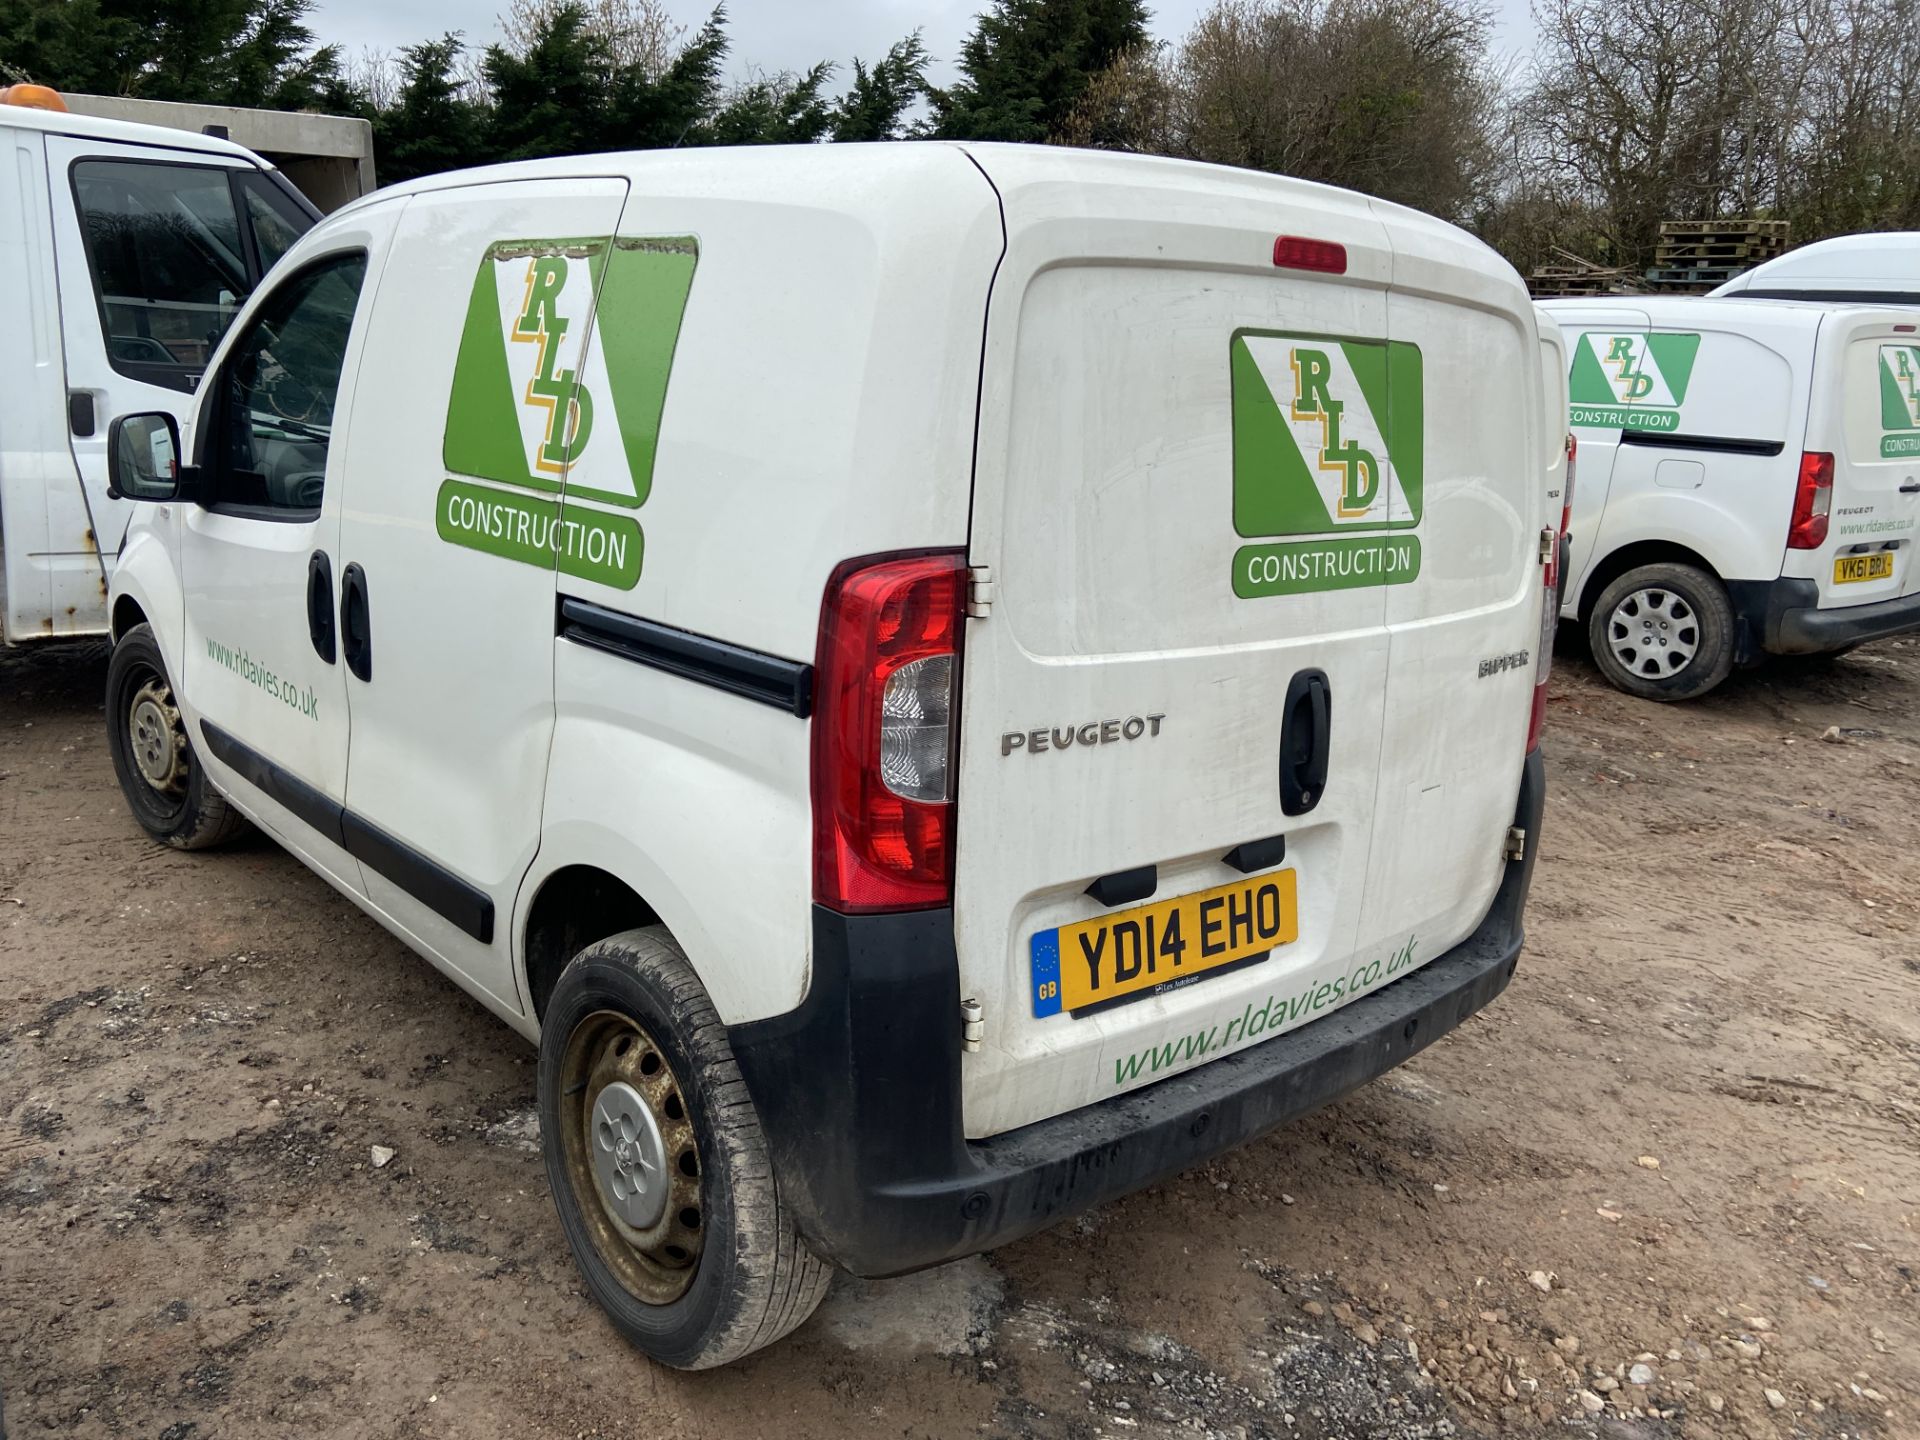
(163, 242)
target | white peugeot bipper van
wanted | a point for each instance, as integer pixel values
(1749, 482)
(1879, 268)
(942, 684)
(125, 250)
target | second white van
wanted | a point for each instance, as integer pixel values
(940, 685)
(1749, 483)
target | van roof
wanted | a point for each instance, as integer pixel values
(1862, 264)
(1679, 311)
(121, 132)
(1002, 162)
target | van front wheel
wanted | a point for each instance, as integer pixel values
(658, 1166)
(166, 787)
(1663, 632)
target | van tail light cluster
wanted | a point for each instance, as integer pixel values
(886, 696)
(1812, 501)
(1552, 580)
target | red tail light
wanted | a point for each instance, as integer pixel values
(886, 690)
(1297, 252)
(1550, 602)
(1811, 502)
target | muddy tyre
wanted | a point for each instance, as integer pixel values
(1663, 632)
(166, 786)
(659, 1169)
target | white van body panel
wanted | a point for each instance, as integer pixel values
(844, 429)
(60, 528)
(1763, 375)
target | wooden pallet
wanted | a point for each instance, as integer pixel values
(1566, 282)
(1691, 277)
(1670, 255)
(1699, 254)
(1740, 228)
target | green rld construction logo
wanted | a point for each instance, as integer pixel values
(1328, 437)
(535, 400)
(1899, 401)
(1635, 381)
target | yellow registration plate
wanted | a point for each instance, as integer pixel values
(1848, 569)
(1125, 954)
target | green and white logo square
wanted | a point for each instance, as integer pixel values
(1899, 401)
(1630, 380)
(1326, 434)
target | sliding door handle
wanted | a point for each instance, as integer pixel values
(356, 638)
(320, 605)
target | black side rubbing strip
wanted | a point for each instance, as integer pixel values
(434, 886)
(751, 674)
(1725, 444)
(277, 784)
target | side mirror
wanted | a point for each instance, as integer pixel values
(143, 457)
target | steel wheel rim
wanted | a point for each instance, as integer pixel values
(157, 739)
(631, 1156)
(1654, 633)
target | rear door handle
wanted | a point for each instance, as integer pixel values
(1911, 487)
(320, 605)
(356, 638)
(1306, 740)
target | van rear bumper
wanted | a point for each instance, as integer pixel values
(1783, 617)
(859, 1087)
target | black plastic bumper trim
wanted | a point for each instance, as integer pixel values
(859, 1087)
(1784, 617)
(1810, 631)
(433, 885)
(751, 674)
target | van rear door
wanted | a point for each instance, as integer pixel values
(1186, 461)
(1602, 341)
(1464, 635)
(1865, 413)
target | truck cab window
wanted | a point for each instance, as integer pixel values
(278, 388)
(276, 221)
(169, 267)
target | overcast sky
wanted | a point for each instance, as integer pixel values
(770, 34)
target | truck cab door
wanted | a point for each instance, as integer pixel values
(154, 251)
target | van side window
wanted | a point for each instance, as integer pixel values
(278, 388)
(169, 270)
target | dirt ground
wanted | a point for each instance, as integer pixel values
(1667, 1186)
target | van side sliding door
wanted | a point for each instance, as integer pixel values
(472, 402)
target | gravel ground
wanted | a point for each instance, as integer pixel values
(1667, 1186)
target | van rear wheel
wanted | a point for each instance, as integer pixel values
(166, 787)
(1663, 632)
(659, 1169)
